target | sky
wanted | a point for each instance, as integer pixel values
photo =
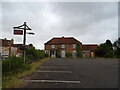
(88, 22)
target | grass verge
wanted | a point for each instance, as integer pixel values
(13, 81)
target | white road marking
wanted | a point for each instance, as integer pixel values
(50, 81)
(53, 67)
(56, 71)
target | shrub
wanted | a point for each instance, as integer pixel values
(79, 51)
(46, 55)
(33, 54)
(16, 65)
(68, 55)
(105, 50)
(58, 53)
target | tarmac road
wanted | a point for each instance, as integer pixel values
(75, 73)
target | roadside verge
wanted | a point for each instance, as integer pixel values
(14, 81)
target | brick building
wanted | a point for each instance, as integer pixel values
(8, 48)
(65, 44)
(88, 50)
(68, 45)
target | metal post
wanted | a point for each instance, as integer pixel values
(24, 41)
(9, 49)
(24, 33)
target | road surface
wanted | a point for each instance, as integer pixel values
(75, 73)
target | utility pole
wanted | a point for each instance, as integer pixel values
(24, 27)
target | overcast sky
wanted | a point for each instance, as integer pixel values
(88, 22)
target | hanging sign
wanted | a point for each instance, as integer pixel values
(18, 32)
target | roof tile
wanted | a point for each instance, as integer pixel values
(63, 40)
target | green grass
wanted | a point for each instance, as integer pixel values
(13, 81)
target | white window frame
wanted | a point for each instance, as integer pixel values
(63, 46)
(52, 46)
(74, 45)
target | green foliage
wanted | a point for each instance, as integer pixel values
(108, 42)
(116, 46)
(68, 55)
(105, 50)
(58, 53)
(16, 65)
(79, 51)
(46, 55)
(33, 54)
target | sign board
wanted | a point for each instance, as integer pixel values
(23, 48)
(18, 32)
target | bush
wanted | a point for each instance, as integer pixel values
(16, 64)
(68, 55)
(46, 55)
(105, 50)
(58, 53)
(79, 51)
(33, 54)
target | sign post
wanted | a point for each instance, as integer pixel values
(22, 28)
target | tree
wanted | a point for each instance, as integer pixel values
(58, 53)
(31, 45)
(116, 46)
(79, 51)
(108, 42)
(33, 54)
(105, 50)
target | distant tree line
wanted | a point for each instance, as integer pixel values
(108, 49)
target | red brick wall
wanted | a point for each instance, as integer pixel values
(68, 47)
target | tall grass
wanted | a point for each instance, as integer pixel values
(13, 65)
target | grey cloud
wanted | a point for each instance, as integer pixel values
(90, 22)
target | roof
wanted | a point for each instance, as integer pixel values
(5, 42)
(62, 40)
(89, 47)
(19, 51)
(17, 45)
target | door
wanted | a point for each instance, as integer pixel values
(52, 53)
(63, 54)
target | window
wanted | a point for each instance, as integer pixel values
(74, 45)
(14, 48)
(74, 54)
(53, 46)
(63, 45)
